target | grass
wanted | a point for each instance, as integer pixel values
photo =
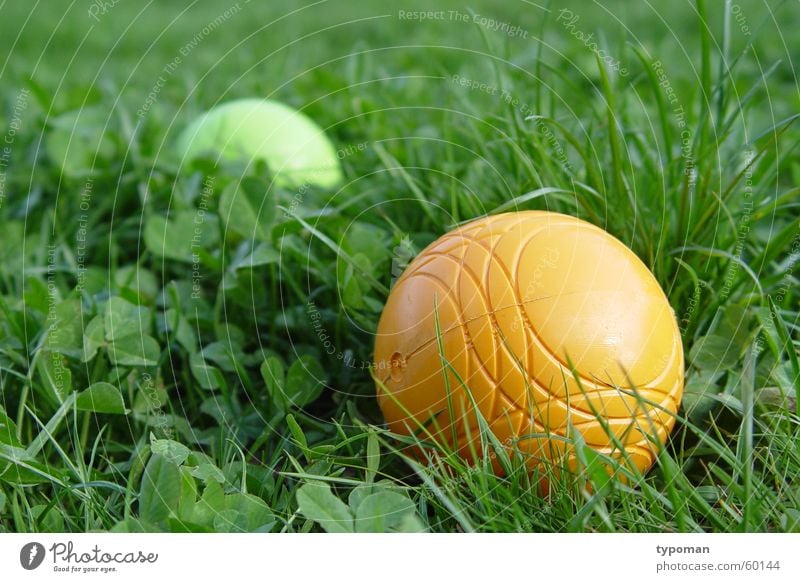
(127, 404)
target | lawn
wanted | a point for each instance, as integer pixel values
(177, 358)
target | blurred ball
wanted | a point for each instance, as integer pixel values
(516, 298)
(296, 149)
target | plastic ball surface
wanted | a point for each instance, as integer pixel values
(295, 148)
(497, 314)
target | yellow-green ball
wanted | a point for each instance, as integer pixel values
(295, 148)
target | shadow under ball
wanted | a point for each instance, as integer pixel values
(519, 296)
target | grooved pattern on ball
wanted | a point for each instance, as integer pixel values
(516, 298)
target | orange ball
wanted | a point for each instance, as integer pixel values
(491, 316)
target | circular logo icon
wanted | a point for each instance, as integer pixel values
(31, 555)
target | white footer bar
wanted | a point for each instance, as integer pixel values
(400, 557)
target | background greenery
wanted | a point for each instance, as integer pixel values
(128, 404)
